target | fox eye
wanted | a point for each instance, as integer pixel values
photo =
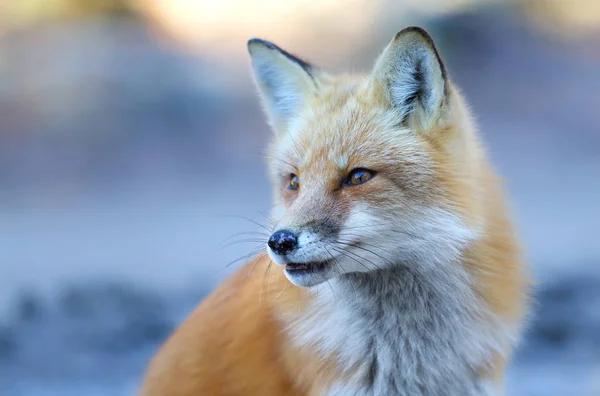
(358, 176)
(294, 182)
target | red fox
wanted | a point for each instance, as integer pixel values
(393, 268)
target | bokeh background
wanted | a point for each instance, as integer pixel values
(131, 138)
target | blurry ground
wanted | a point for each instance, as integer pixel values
(118, 157)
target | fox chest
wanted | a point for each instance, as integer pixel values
(395, 346)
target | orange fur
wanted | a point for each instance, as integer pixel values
(237, 341)
(232, 344)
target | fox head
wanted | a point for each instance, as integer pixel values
(368, 171)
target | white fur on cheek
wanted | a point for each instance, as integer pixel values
(359, 226)
(360, 222)
(424, 236)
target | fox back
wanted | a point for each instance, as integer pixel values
(393, 267)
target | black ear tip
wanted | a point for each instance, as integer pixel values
(417, 33)
(415, 30)
(260, 42)
(253, 41)
(257, 42)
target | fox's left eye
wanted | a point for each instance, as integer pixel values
(358, 176)
(294, 182)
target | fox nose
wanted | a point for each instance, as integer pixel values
(283, 241)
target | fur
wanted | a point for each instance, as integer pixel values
(402, 332)
(420, 288)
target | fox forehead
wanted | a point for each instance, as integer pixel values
(345, 128)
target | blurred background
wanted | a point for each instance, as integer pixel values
(131, 138)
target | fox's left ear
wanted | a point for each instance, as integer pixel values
(412, 78)
(285, 82)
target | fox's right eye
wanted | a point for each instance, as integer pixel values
(294, 182)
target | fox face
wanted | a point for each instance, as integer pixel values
(368, 171)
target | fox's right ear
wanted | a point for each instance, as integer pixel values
(284, 81)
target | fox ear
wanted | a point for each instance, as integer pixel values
(284, 81)
(413, 78)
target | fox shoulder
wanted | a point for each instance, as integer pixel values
(229, 345)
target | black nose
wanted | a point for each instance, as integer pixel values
(282, 241)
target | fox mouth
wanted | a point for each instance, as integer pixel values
(307, 268)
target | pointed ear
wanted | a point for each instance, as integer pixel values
(413, 78)
(284, 81)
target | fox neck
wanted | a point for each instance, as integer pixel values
(399, 330)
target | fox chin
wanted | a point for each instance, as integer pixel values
(393, 267)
